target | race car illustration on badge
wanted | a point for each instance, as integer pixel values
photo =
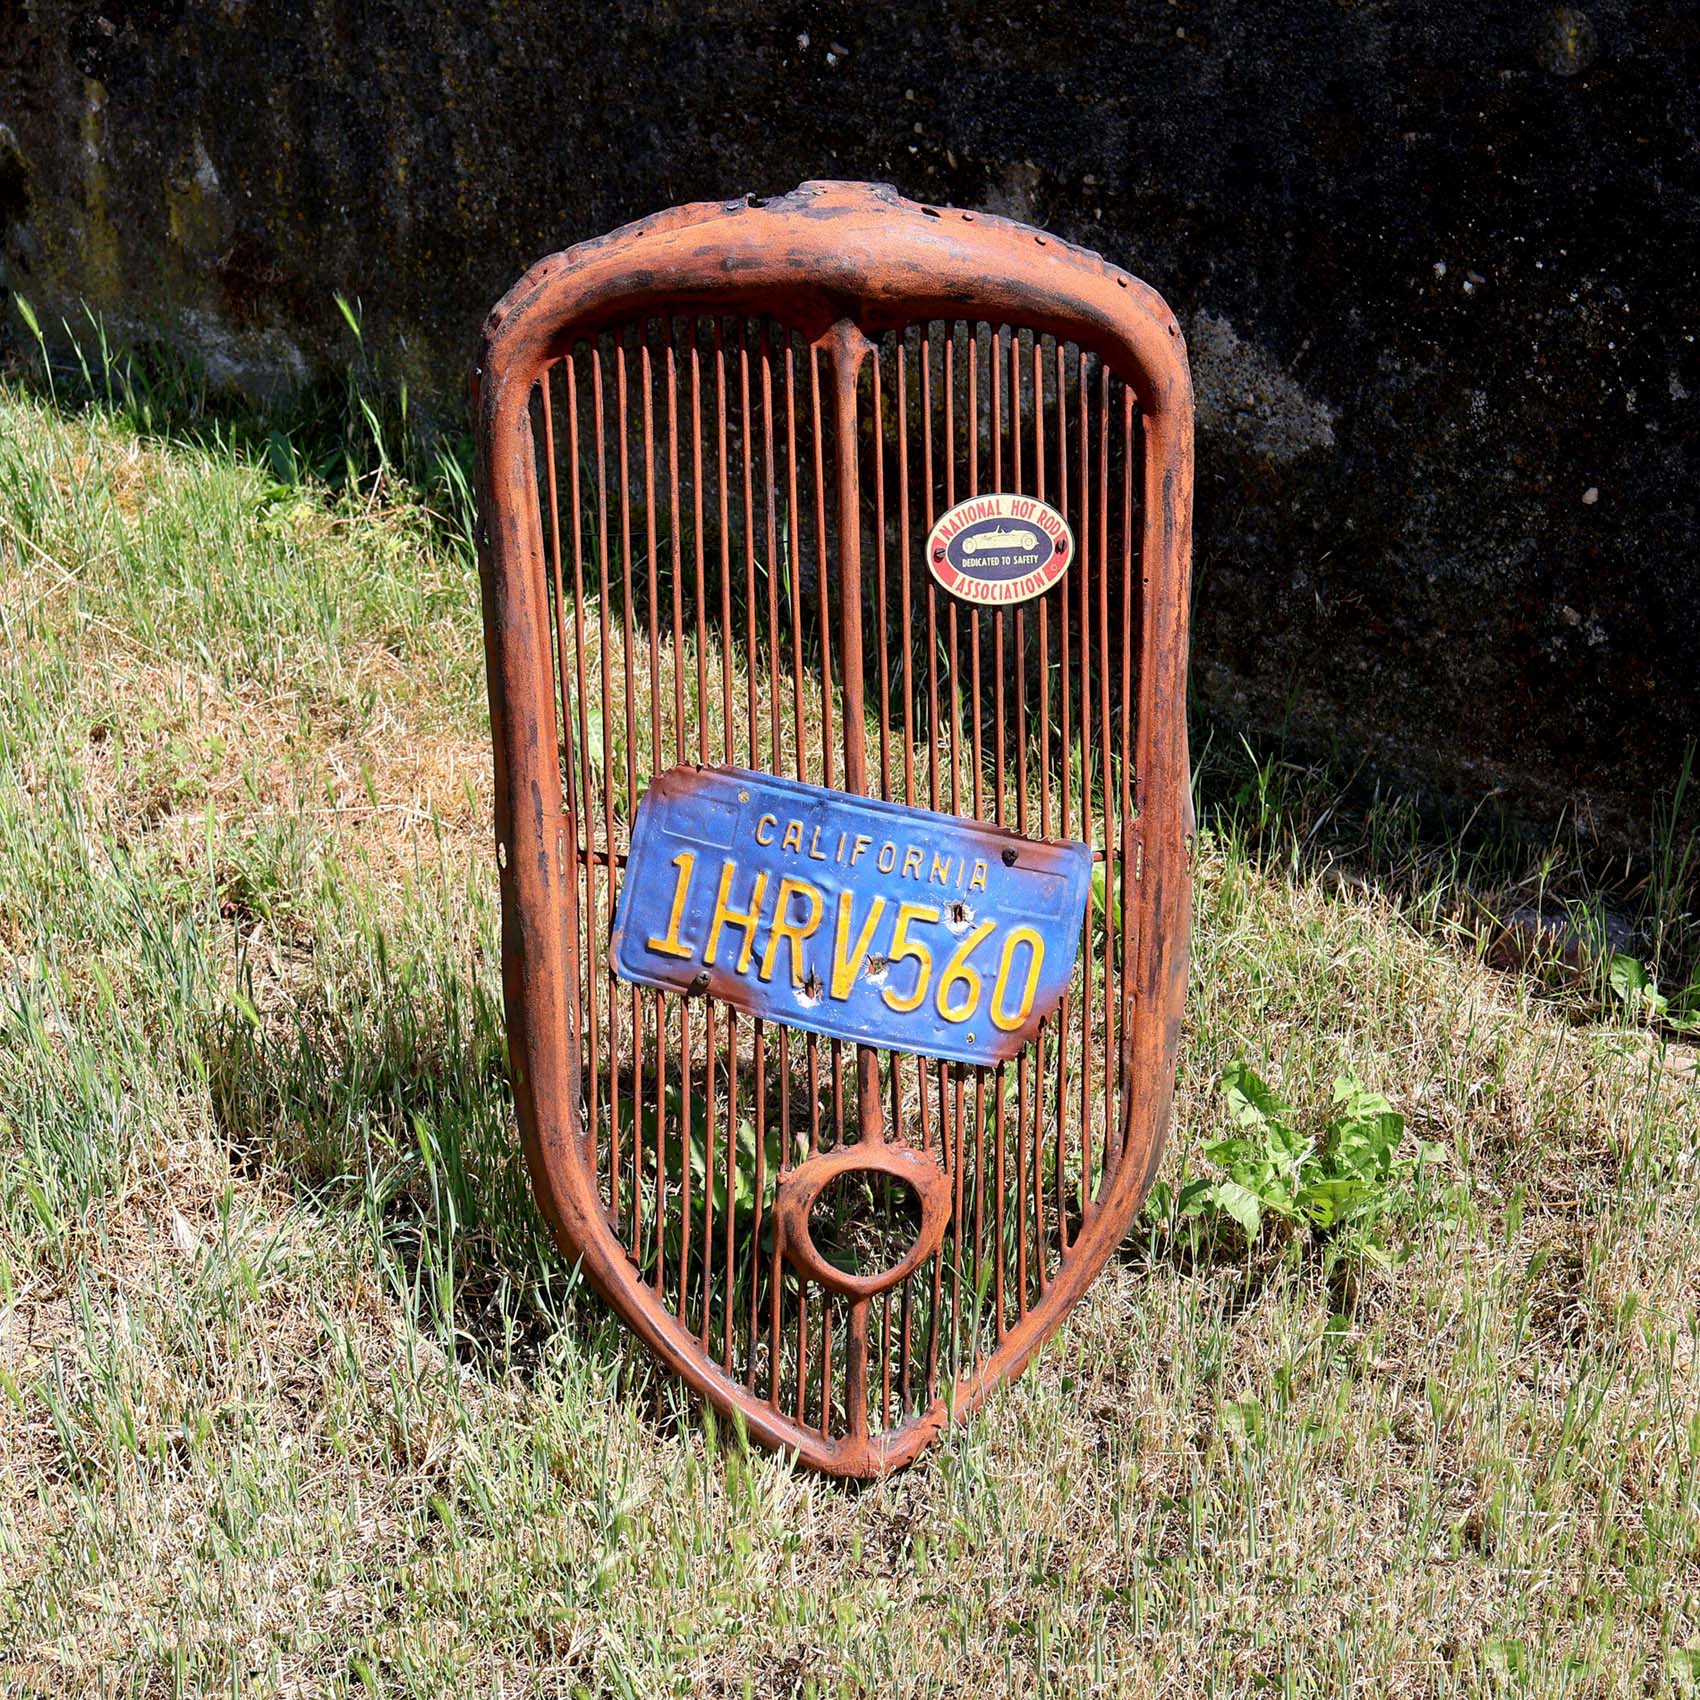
(1000, 549)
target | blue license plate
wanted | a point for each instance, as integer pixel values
(863, 920)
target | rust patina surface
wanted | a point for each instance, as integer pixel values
(713, 449)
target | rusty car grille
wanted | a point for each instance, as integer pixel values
(731, 517)
(694, 526)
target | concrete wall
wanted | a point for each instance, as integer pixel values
(1437, 266)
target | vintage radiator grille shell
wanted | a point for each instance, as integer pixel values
(711, 448)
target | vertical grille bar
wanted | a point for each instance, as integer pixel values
(1091, 563)
(604, 653)
(775, 1273)
(1131, 615)
(686, 1049)
(1022, 826)
(1044, 814)
(1064, 827)
(584, 807)
(1107, 567)
(826, 748)
(1000, 620)
(649, 1001)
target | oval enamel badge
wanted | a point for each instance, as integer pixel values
(1000, 548)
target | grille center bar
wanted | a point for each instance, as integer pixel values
(849, 347)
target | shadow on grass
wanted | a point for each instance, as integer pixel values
(1596, 932)
(354, 435)
(1551, 902)
(384, 1098)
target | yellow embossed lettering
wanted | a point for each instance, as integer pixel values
(1007, 1021)
(846, 966)
(784, 928)
(958, 973)
(668, 944)
(906, 949)
(746, 919)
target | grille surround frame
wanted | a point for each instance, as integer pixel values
(842, 263)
